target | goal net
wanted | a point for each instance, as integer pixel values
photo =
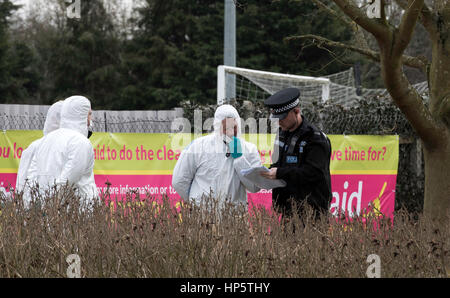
(256, 85)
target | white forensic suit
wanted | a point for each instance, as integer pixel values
(66, 155)
(25, 172)
(203, 168)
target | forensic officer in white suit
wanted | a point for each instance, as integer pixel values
(24, 173)
(212, 164)
(66, 156)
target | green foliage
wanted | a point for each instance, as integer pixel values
(6, 10)
(170, 56)
(179, 44)
(24, 76)
(174, 54)
(86, 56)
(262, 29)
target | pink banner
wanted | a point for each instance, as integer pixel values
(153, 185)
(7, 180)
(363, 168)
(352, 194)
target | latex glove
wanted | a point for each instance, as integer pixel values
(235, 147)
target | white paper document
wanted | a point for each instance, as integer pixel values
(253, 174)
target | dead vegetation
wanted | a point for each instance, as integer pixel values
(149, 239)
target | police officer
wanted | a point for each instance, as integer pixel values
(301, 155)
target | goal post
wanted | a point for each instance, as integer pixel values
(250, 82)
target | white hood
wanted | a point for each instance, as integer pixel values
(74, 114)
(223, 112)
(53, 119)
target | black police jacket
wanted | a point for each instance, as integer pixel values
(303, 161)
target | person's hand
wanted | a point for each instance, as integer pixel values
(235, 147)
(271, 174)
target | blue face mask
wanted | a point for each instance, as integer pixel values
(235, 147)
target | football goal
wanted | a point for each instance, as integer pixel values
(258, 85)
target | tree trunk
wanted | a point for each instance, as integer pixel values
(437, 181)
(432, 123)
(435, 134)
(437, 157)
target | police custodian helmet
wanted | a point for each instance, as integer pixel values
(282, 102)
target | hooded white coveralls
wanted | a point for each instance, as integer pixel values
(24, 172)
(204, 168)
(66, 154)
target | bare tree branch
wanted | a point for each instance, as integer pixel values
(358, 31)
(378, 29)
(430, 124)
(383, 12)
(360, 39)
(445, 11)
(426, 17)
(392, 43)
(333, 13)
(416, 62)
(407, 25)
(411, 104)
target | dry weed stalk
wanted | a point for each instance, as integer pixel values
(147, 238)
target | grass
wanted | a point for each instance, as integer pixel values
(153, 240)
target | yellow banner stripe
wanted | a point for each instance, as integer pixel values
(169, 172)
(9, 171)
(363, 172)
